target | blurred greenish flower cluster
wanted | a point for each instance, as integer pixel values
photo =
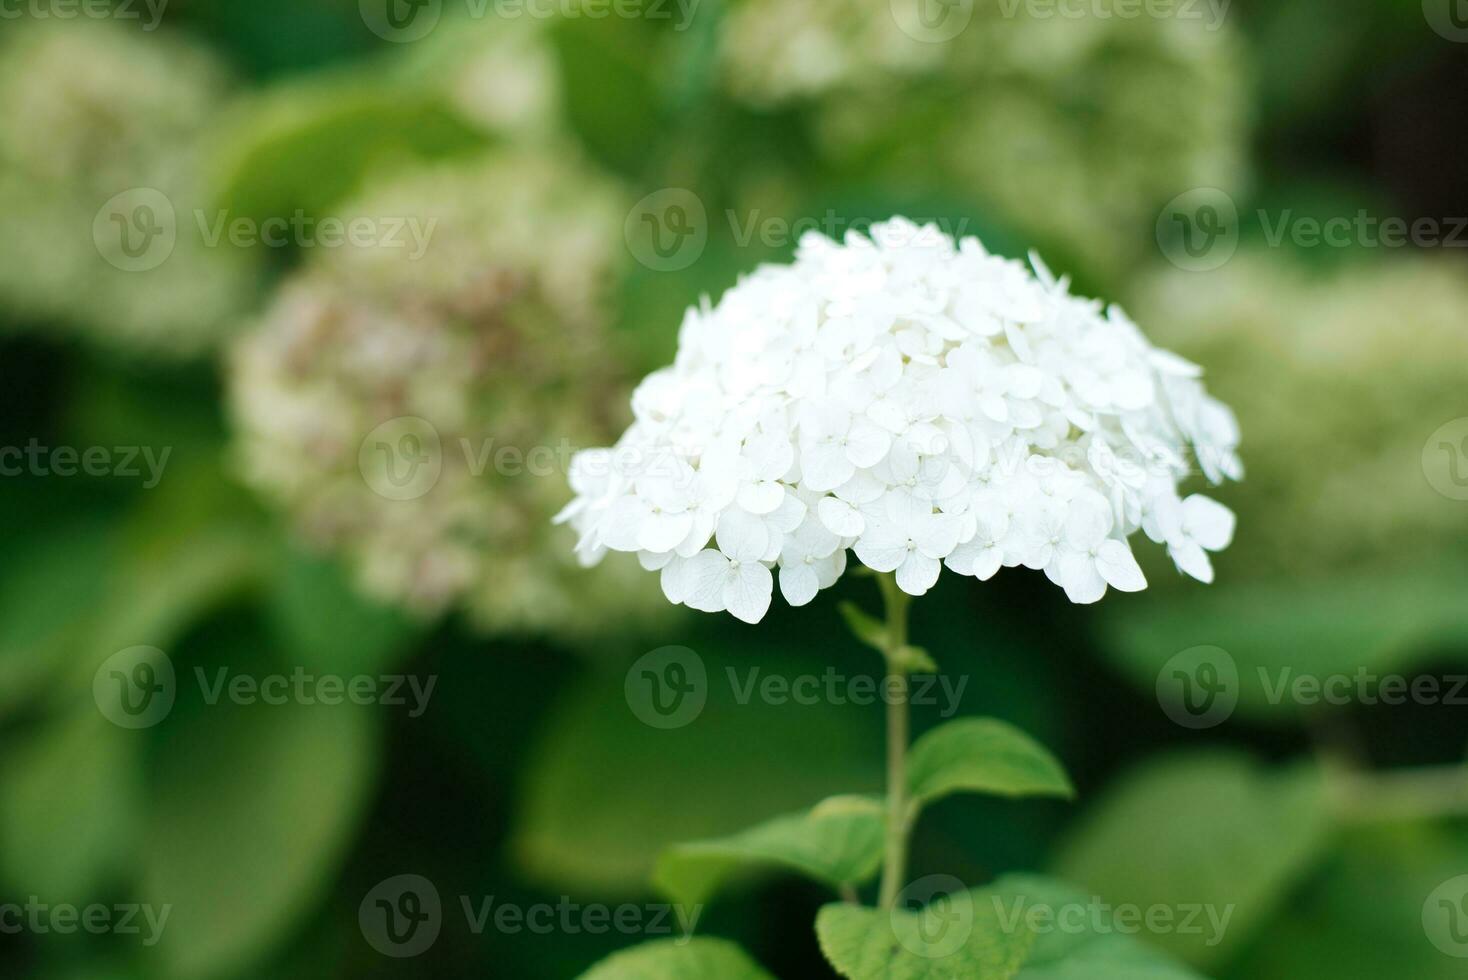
(487, 353)
(1072, 127)
(95, 110)
(1340, 375)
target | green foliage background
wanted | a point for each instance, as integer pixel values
(527, 779)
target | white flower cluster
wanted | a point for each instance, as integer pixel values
(917, 400)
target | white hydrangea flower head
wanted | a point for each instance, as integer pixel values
(921, 402)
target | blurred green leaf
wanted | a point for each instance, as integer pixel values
(308, 146)
(47, 597)
(253, 809)
(1205, 828)
(838, 842)
(1362, 917)
(733, 766)
(982, 755)
(1336, 626)
(70, 802)
(612, 99)
(1098, 951)
(152, 599)
(673, 959)
(327, 625)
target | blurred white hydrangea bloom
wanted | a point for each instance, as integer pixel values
(921, 402)
(1073, 127)
(486, 357)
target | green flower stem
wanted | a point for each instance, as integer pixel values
(894, 865)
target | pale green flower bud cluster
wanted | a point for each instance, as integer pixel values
(1073, 129)
(94, 110)
(417, 413)
(1339, 379)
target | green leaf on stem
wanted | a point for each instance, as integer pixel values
(679, 959)
(865, 627)
(914, 660)
(982, 755)
(838, 842)
(1023, 926)
(957, 934)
